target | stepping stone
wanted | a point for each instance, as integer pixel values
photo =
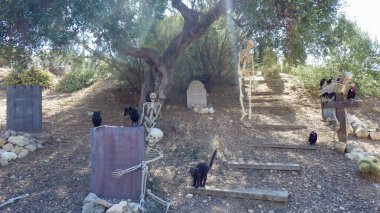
(256, 194)
(265, 166)
(269, 127)
(283, 146)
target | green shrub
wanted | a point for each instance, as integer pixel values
(30, 77)
(76, 80)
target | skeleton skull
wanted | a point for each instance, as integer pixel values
(154, 136)
(152, 96)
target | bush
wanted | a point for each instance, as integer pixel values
(370, 168)
(76, 80)
(30, 77)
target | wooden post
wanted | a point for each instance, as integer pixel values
(340, 104)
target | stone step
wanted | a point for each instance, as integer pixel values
(264, 166)
(256, 194)
(277, 127)
(283, 146)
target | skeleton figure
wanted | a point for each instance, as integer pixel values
(150, 112)
(244, 74)
(153, 137)
(341, 85)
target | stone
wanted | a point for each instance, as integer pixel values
(211, 110)
(118, 208)
(375, 136)
(17, 150)
(91, 198)
(2, 142)
(340, 147)
(8, 147)
(189, 196)
(23, 153)
(355, 125)
(250, 211)
(349, 129)
(203, 111)
(352, 145)
(18, 140)
(88, 208)
(361, 133)
(31, 147)
(27, 135)
(99, 209)
(8, 156)
(196, 109)
(196, 95)
(3, 162)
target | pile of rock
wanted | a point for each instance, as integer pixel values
(203, 110)
(355, 151)
(361, 129)
(94, 204)
(15, 145)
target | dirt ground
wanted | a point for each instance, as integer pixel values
(57, 177)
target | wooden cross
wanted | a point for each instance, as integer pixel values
(340, 104)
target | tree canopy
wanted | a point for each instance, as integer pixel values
(117, 29)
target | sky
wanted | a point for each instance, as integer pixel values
(366, 13)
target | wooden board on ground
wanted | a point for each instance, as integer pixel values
(262, 100)
(269, 127)
(283, 146)
(268, 166)
(256, 194)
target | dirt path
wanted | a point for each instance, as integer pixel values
(58, 177)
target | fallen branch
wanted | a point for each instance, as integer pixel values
(12, 200)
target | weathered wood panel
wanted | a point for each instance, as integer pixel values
(256, 194)
(341, 104)
(24, 108)
(116, 148)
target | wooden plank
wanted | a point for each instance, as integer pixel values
(116, 148)
(265, 166)
(263, 107)
(283, 146)
(256, 194)
(341, 104)
(261, 100)
(269, 127)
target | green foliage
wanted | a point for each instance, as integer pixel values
(30, 77)
(370, 167)
(76, 80)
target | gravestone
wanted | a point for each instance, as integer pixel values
(24, 108)
(196, 94)
(115, 148)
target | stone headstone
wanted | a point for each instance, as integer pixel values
(24, 108)
(196, 94)
(115, 148)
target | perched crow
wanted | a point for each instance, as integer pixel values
(133, 114)
(351, 93)
(96, 119)
(313, 138)
(328, 81)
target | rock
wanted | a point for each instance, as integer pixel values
(2, 150)
(349, 129)
(260, 206)
(3, 162)
(189, 196)
(91, 198)
(354, 155)
(23, 153)
(250, 211)
(88, 208)
(203, 111)
(27, 135)
(99, 209)
(2, 142)
(361, 133)
(211, 110)
(7, 134)
(31, 146)
(118, 208)
(351, 145)
(8, 156)
(17, 150)
(375, 136)
(18, 140)
(340, 147)
(196, 109)
(39, 146)
(8, 147)
(355, 125)
(104, 203)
